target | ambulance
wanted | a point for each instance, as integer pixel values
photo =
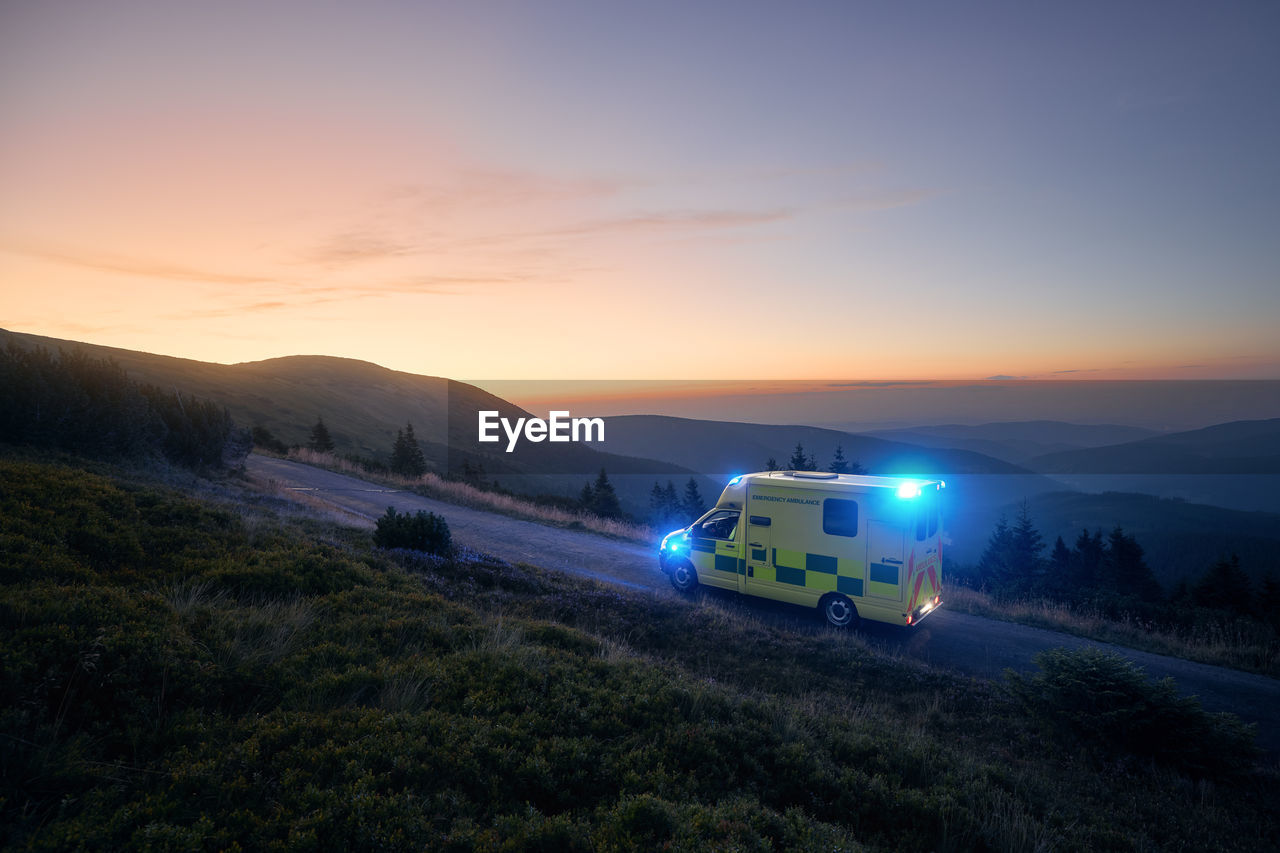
(853, 546)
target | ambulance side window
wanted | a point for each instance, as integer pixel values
(839, 517)
(722, 525)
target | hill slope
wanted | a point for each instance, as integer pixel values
(364, 404)
(1239, 447)
(1016, 441)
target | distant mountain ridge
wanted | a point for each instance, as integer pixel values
(1016, 441)
(1239, 447)
(363, 405)
(728, 447)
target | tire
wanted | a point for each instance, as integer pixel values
(839, 611)
(684, 577)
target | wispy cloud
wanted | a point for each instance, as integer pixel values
(106, 262)
(675, 221)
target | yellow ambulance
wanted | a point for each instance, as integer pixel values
(854, 546)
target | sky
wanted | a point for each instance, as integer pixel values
(664, 191)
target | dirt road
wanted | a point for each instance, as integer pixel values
(983, 648)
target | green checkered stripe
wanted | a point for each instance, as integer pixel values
(817, 571)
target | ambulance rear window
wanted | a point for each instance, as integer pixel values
(926, 517)
(839, 517)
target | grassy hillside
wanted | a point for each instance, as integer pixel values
(363, 405)
(208, 673)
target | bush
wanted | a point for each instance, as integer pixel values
(423, 531)
(1106, 701)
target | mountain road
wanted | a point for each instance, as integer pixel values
(978, 647)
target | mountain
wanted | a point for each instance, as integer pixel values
(727, 447)
(1016, 441)
(1239, 447)
(364, 404)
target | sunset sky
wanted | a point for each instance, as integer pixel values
(686, 190)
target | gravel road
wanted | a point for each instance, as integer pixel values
(979, 647)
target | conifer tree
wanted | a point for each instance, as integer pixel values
(994, 565)
(693, 505)
(839, 465)
(604, 500)
(1086, 564)
(321, 441)
(1225, 586)
(406, 456)
(771, 464)
(664, 507)
(1025, 562)
(1059, 568)
(1125, 568)
(798, 461)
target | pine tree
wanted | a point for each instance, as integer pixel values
(839, 465)
(771, 464)
(994, 566)
(693, 505)
(321, 441)
(1085, 575)
(798, 461)
(1269, 602)
(664, 507)
(1058, 581)
(1026, 564)
(604, 500)
(406, 456)
(671, 500)
(1125, 568)
(1225, 586)
(587, 498)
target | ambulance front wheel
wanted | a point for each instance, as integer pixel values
(839, 610)
(684, 577)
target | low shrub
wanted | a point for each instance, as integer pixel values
(422, 531)
(1106, 701)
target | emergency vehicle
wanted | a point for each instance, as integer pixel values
(854, 546)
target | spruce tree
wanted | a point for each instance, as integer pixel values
(798, 461)
(839, 465)
(771, 464)
(693, 505)
(664, 507)
(604, 500)
(1225, 586)
(1025, 562)
(406, 456)
(321, 441)
(671, 500)
(995, 564)
(1125, 568)
(1085, 576)
(1059, 579)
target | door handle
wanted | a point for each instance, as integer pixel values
(755, 544)
(891, 560)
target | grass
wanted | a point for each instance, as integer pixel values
(464, 494)
(1238, 643)
(217, 672)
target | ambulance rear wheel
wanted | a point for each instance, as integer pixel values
(684, 577)
(839, 611)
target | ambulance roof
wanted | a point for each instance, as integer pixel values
(838, 482)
